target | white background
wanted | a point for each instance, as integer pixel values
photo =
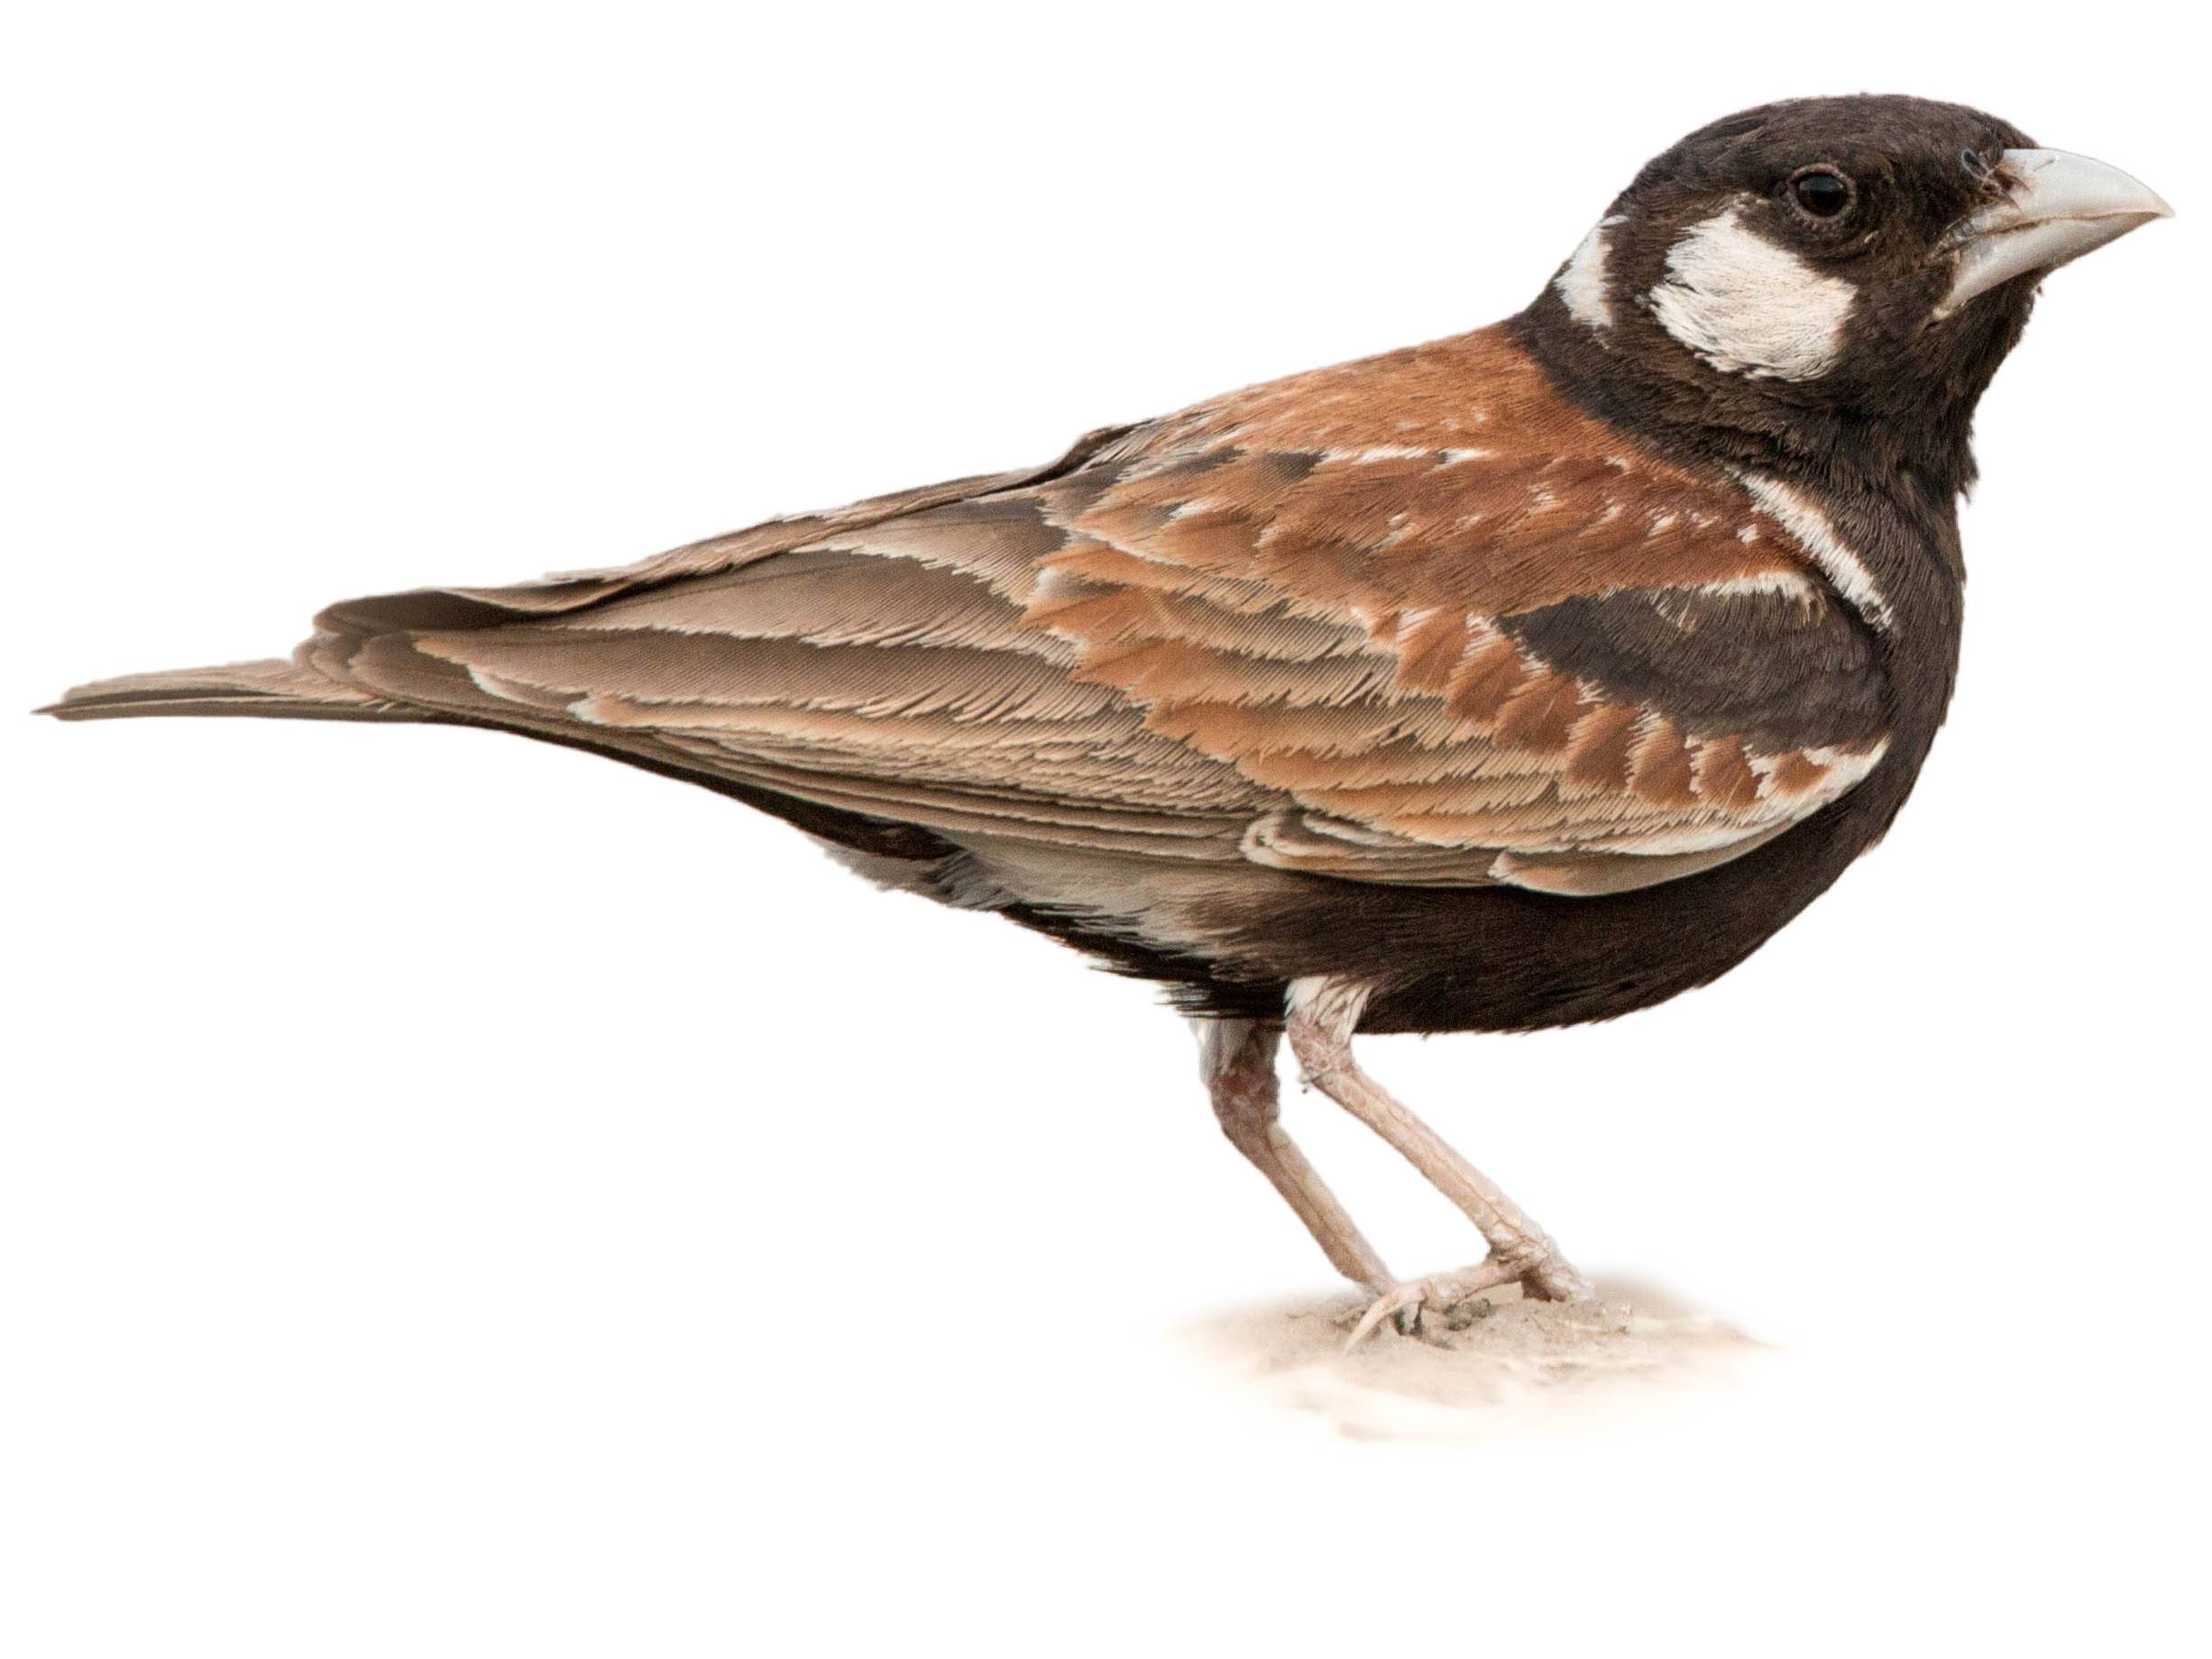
(462, 1197)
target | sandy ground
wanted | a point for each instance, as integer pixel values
(1500, 1365)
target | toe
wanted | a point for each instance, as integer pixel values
(1403, 1303)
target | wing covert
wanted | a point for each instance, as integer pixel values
(1413, 620)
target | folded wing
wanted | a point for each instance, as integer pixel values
(1413, 620)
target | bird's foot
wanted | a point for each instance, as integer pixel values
(1537, 1266)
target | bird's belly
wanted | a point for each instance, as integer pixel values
(1501, 959)
(1228, 937)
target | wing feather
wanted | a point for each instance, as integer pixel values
(1413, 621)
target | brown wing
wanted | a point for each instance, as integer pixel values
(1469, 630)
(876, 662)
(1410, 620)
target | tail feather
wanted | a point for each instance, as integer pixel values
(275, 689)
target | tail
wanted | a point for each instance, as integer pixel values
(272, 690)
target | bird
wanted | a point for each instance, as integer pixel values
(1524, 678)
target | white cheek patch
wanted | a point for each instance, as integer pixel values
(1749, 306)
(1583, 283)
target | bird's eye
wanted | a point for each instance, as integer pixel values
(1821, 191)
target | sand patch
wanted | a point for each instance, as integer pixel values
(1499, 1366)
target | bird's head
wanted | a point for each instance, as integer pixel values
(1868, 259)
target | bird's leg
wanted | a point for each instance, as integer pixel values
(1237, 1059)
(1323, 1014)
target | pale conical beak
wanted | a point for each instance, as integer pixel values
(2058, 207)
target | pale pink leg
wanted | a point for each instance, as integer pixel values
(1237, 1059)
(1323, 1015)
